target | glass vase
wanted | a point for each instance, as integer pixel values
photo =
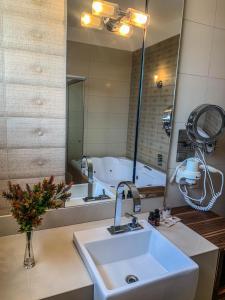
(29, 261)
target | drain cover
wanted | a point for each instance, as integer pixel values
(131, 279)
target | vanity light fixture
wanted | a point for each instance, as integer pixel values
(109, 15)
(158, 83)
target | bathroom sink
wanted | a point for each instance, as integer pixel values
(80, 191)
(136, 265)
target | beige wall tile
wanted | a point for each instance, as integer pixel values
(201, 11)
(107, 135)
(216, 92)
(109, 55)
(217, 64)
(39, 36)
(2, 100)
(101, 150)
(1, 63)
(35, 101)
(36, 8)
(112, 70)
(220, 13)
(191, 92)
(34, 68)
(35, 133)
(107, 87)
(196, 48)
(102, 104)
(107, 121)
(3, 133)
(3, 164)
(25, 163)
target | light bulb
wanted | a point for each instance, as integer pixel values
(85, 19)
(90, 21)
(124, 30)
(97, 7)
(138, 18)
(156, 78)
(105, 9)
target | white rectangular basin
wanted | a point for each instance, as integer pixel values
(80, 191)
(162, 271)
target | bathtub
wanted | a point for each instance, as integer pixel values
(111, 170)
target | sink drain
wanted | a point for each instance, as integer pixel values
(131, 279)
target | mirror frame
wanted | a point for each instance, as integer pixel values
(192, 128)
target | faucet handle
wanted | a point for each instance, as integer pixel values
(134, 219)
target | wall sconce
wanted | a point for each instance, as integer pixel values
(109, 15)
(158, 83)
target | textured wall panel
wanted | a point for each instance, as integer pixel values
(3, 164)
(39, 36)
(1, 59)
(2, 100)
(24, 163)
(32, 91)
(48, 9)
(2, 133)
(34, 68)
(35, 101)
(35, 133)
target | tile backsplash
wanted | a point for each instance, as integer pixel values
(160, 60)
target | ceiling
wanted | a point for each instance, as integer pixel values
(165, 16)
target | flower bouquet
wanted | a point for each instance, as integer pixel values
(28, 206)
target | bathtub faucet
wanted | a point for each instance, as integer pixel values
(86, 162)
(117, 227)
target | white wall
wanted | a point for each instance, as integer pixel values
(201, 76)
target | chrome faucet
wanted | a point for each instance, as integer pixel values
(86, 162)
(117, 227)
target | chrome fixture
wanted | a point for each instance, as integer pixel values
(205, 124)
(109, 15)
(86, 164)
(167, 119)
(134, 225)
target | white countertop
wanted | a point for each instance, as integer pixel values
(59, 268)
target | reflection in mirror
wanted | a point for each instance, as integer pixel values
(103, 80)
(209, 124)
(129, 75)
(161, 49)
(103, 59)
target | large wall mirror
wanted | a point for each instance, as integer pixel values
(120, 94)
(116, 120)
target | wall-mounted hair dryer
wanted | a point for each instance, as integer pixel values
(204, 126)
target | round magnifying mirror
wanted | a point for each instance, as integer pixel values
(206, 123)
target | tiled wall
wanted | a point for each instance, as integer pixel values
(160, 59)
(201, 77)
(32, 90)
(107, 87)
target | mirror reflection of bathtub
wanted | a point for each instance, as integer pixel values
(109, 171)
